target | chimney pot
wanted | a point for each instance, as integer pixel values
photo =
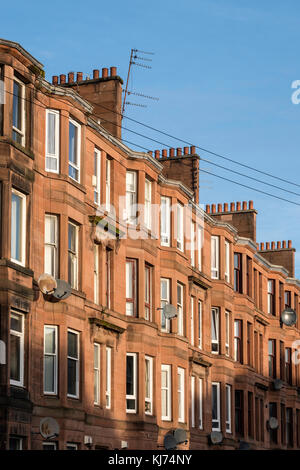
(171, 152)
(179, 152)
(272, 245)
(79, 76)
(238, 206)
(244, 205)
(157, 154)
(232, 207)
(55, 80)
(96, 73)
(250, 204)
(150, 153)
(193, 149)
(219, 207)
(262, 246)
(213, 208)
(267, 245)
(278, 245)
(104, 72)
(225, 207)
(71, 77)
(113, 71)
(207, 208)
(186, 150)
(289, 243)
(165, 153)
(62, 79)
(257, 246)
(283, 244)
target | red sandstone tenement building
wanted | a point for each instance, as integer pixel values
(105, 363)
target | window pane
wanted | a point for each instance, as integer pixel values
(16, 226)
(129, 283)
(15, 358)
(49, 340)
(17, 106)
(73, 131)
(129, 375)
(16, 322)
(214, 403)
(72, 345)
(72, 375)
(49, 373)
(72, 237)
(51, 137)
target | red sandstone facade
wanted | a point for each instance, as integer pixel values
(212, 367)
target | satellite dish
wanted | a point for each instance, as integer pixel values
(47, 283)
(216, 437)
(49, 427)
(273, 423)
(180, 435)
(244, 445)
(277, 384)
(288, 317)
(62, 291)
(169, 311)
(170, 442)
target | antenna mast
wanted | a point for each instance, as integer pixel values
(133, 56)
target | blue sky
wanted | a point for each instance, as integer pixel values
(222, 70)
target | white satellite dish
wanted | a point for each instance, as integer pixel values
(47, 283)
(273, 423)
(216, 437)
(49, 427)
(169, 311)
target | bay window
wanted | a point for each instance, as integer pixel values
(96, 176)
(238, 341)
(131, 281)
(180, 236)
(73, 364)
(215, 257)
(131, 196)
(18, 127)
(215, 327)
(96, 373)
(107, 184)
(50, 359)
(131, 383)
(216, 407)
(73, 255)
(165, 224)
(166, 392)
(181, 399)
(52, 140)
(108, 378)
(18, 227)
(148, 292)
(227, 261)
(148, 385)
(180, 309)
(51, 245)
(148, 204)
(164, 299)
(16, 348)
(74, 150)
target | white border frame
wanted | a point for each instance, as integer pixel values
(77, 333)
(19, 383)
(55, 328)
(23, 227)
(56, 113)
(76, 167)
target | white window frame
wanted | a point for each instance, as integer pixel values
(107, 183)
(97, 374)
(193, 234)
(131, 198)
(18, 440)
(73, 165)
(77, 360)
(165, 221)
(149, 399)
(167, 326)
(227, 333)
(167, 368)
(192, 308)
(131, 267)
(49, 155)
(215, 269)
(217, 425)
(74, 255)
(180, 314)
(97, 177)
(22, 131)
(216, 311)
(19, 383)
(271, 294)
(180, 224)
(228, 408)
(227, 261)
(53, 445)
(181, 394)
(200, 325)
(55, 355)
(199, 247)
(71, 446)
(134, 395)
(108, 378)
(53, 246)
(96, 273)
(148, 205)
(148, 287)
(193, 381)
(22, 223)
(200, 386)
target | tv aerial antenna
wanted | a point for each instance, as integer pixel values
(133, 61)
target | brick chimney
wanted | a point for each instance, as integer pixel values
(182, 166)
(241, 216)
(104, 90)
(282, 255)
